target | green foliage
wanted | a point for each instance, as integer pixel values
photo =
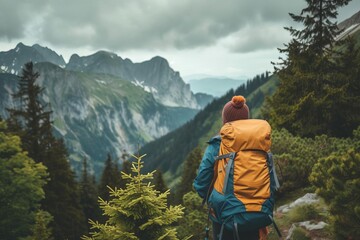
(195, 218)
(296, 156)
(137, 211)
(21, 187)
(337, 179)
(41, 230)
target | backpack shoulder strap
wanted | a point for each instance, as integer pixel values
(231, 156)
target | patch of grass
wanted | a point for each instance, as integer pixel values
(303, 213)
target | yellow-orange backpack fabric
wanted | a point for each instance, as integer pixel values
(245, 178)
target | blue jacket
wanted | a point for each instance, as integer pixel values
(205, 174)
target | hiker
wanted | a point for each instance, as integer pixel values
(208, 186)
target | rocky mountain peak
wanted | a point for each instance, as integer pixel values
(50, 55)
(13, 60)
(20, 45)
(157, 60)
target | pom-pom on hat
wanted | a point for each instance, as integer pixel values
(236, 109)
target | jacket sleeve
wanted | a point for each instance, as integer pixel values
(205, 174)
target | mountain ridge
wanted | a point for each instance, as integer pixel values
(154, 75)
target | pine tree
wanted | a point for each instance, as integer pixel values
(307, 86)
(320, 31)
(345, 88)
(88, 194)
(21, 184)
(189, 173)
(41, 230)
(31, 119)
(110, 178)
(158, 181)
(62, 195)
(137, 211)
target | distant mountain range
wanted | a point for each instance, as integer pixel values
(102, 103)
(214, 86)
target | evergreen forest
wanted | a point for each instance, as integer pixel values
(311, 100)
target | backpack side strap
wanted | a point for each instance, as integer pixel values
(270, 161)
(229, 164)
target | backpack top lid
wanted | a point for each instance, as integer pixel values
(246, 134)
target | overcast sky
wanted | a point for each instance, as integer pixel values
(234, 38)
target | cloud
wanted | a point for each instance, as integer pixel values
(16, 16)
(256, 38)
(122, 25)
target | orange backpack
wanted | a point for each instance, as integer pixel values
(244, 178)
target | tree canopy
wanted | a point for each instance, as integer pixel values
(137, 211)
(21, 184)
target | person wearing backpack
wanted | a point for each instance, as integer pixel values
(236, 176)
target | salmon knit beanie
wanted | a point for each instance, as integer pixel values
(236, 109)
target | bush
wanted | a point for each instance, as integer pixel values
(295, 156)
(337, 179)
